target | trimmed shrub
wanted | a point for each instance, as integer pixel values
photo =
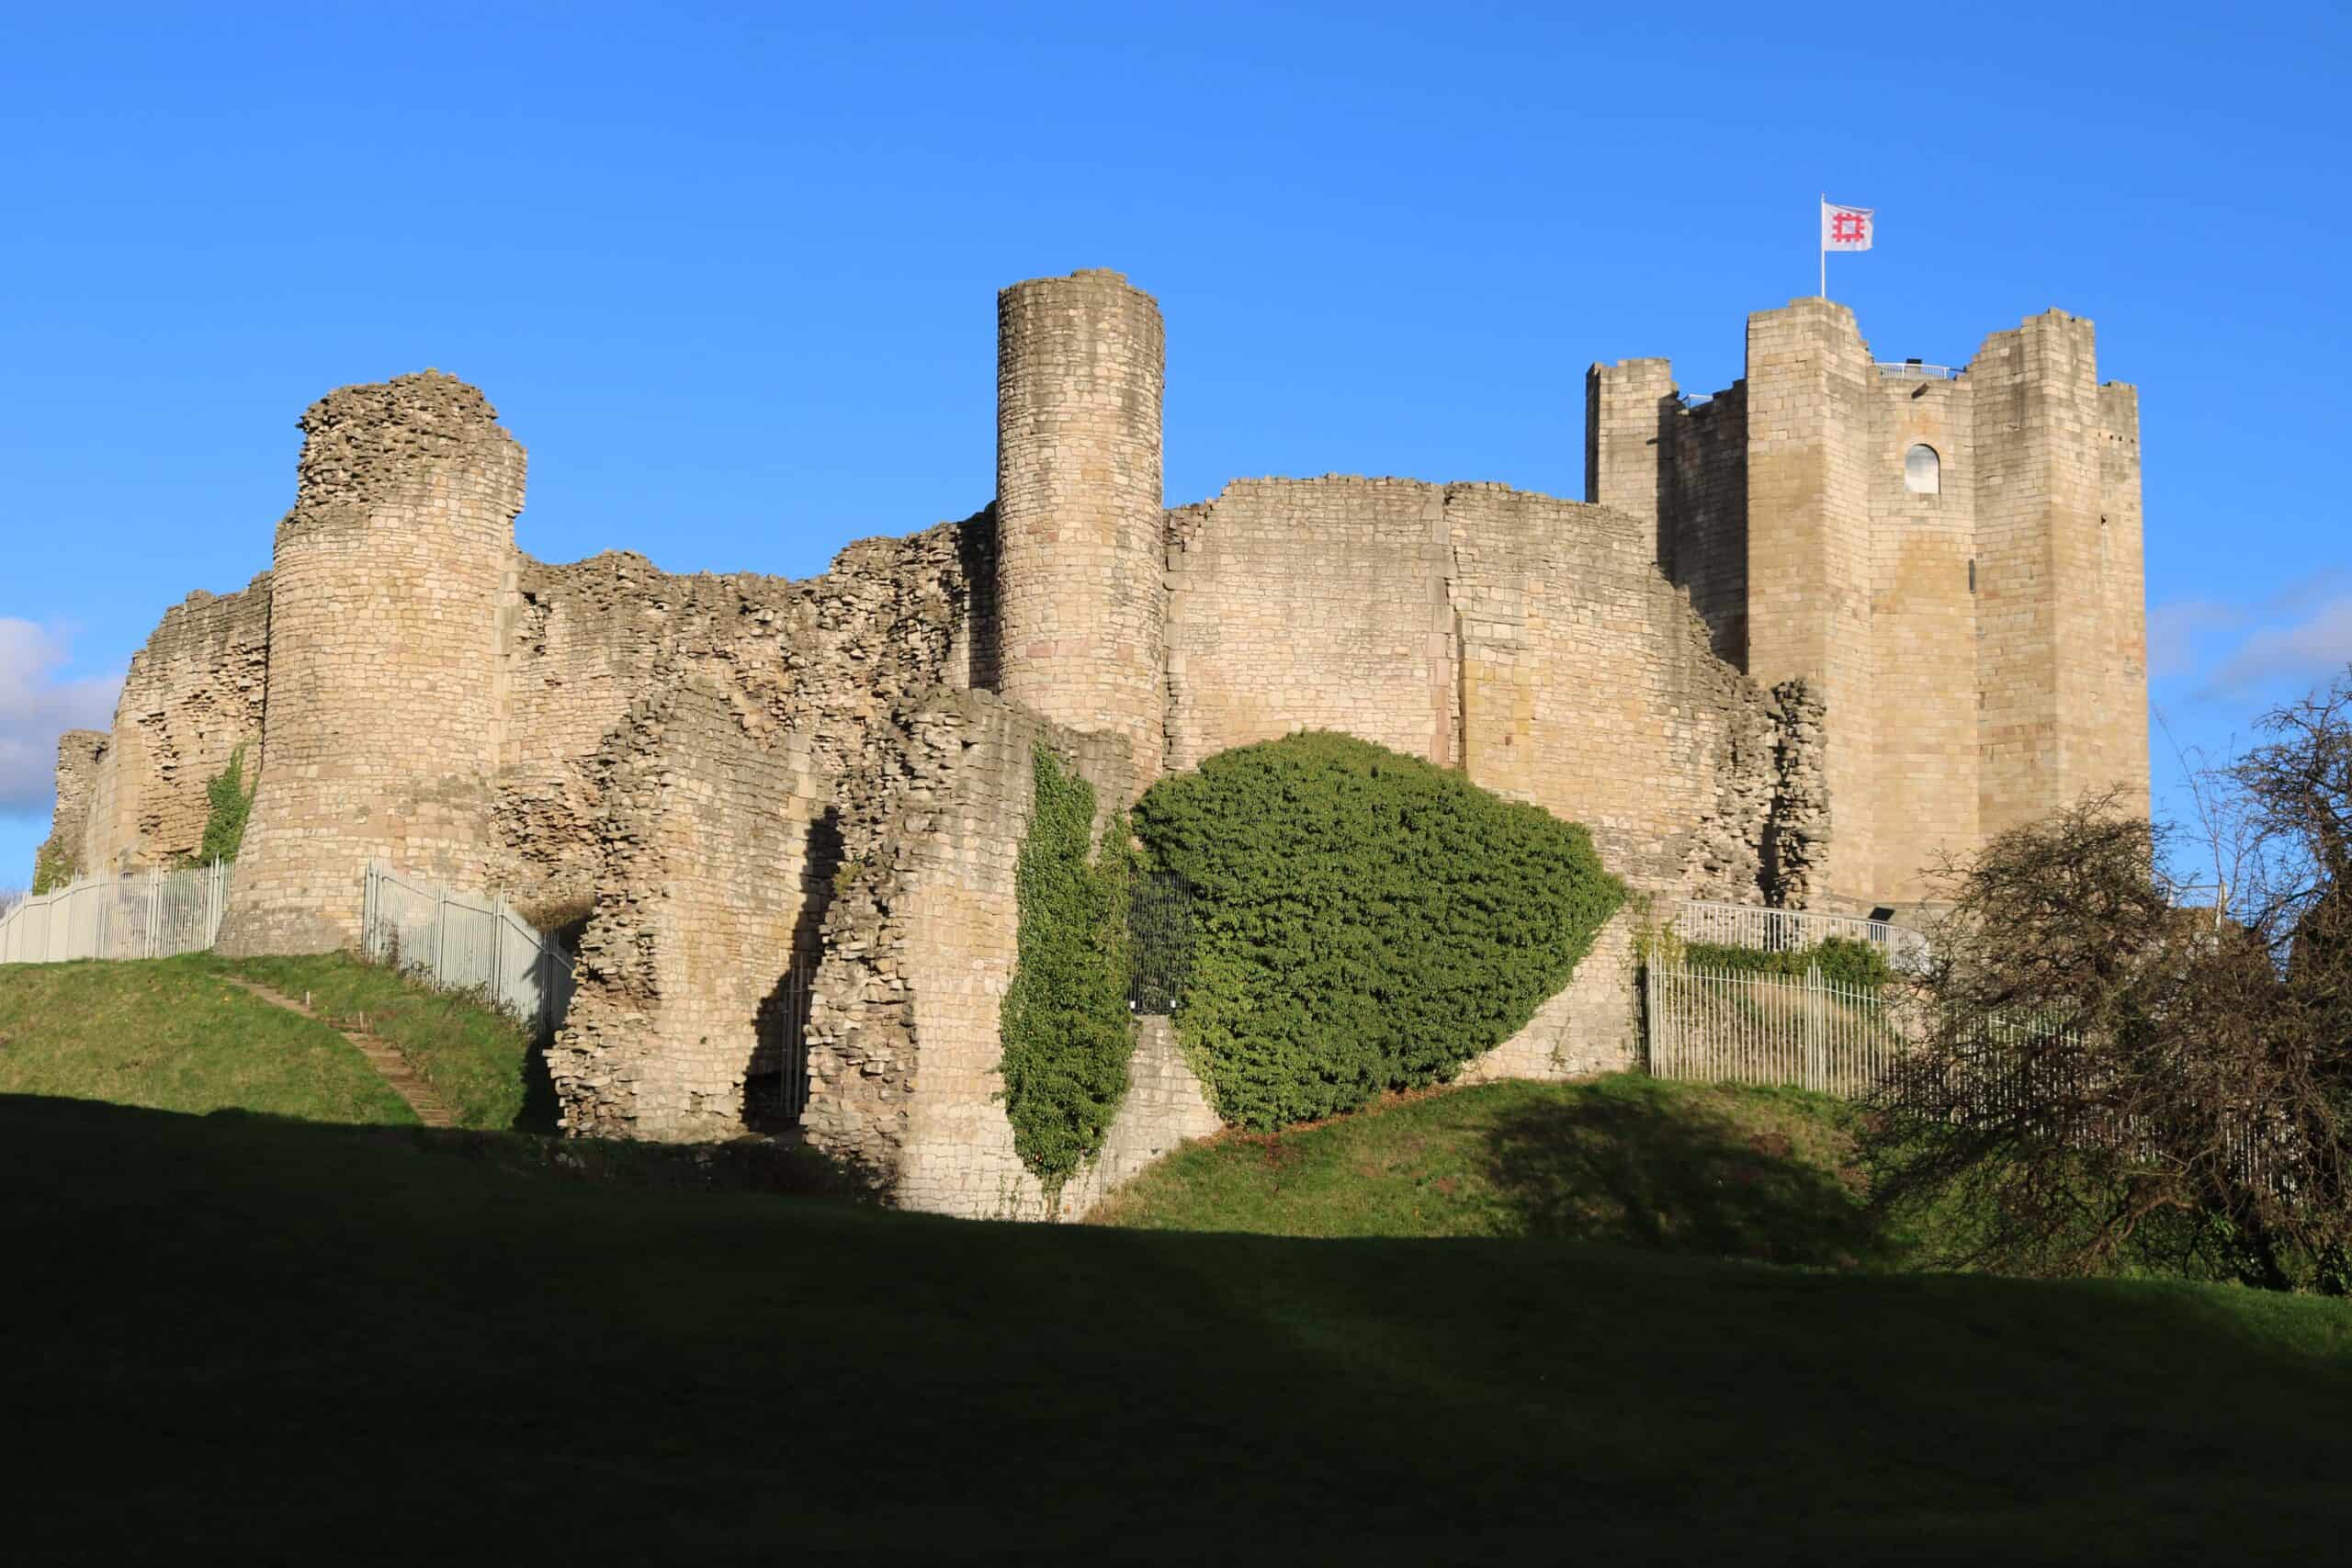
(1067, 1032)
(1841, 958)
(1365, 920)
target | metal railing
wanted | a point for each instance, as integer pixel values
(458, 941)
(1779, 930)
(1162, 922)
(1912, 370)
(1817, 1033)
(149, 914)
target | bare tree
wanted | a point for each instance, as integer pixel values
(2104, 1076)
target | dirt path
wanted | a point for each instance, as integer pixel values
(388, 1062)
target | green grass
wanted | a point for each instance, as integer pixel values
(244, 1337)
(1715, 1170)
(169, 1035)
(481, 1062)
(247, 1339)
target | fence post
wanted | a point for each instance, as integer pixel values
(440, 930)
(498, 951)
(1816, 1065)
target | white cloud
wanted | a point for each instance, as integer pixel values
(38, 703)
(2172, 633)
(2318, 644)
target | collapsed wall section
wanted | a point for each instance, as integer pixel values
(710, 853)
(80, 756)
(904, 1047)
(193, 695)
(823, 658)
(704, 834)
(385, 717)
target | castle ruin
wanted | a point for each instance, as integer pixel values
(1802, 638)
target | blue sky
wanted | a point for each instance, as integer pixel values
(728, 273)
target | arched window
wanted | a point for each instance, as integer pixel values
(1923, 471)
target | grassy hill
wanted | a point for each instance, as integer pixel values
(242, 1336)
(170, 1035)
(1715, 1170)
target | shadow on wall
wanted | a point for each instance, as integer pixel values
(1631, 1168)
(775, 1080)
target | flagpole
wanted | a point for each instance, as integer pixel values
(1825, 244)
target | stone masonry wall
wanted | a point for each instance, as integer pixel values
(192, 695)
(80, 756)
(386, 712)
(904, 1048)
(707, 830)
(705, 872)
(1311, 604)
(1081, 364)
(1708, 500)
(1591, 1025)
(826, 658)
(1809, 549)
(1529, 641)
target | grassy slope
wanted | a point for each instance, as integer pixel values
(479, 1059)
(162, 1035)
(1716, 1170)
(355, 1337)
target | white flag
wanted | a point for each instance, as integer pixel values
(1845, 228)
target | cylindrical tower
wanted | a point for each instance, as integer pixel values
(385, 710)
(1080, 364)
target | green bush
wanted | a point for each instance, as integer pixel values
(1365, 920)
(231, 803)
(1067, 1032)
(1840, 958)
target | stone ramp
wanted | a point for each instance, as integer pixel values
(389, 1063)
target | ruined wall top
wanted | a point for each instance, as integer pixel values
(369, 443)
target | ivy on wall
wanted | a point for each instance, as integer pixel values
(1067, 1033)
(1365, 920)
(231, 803)
(52, 869)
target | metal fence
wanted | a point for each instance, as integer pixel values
(1779, 930)
(776, 1087)
(1815, 1034)
(458, 941)
(149, 914)
(1162, 923)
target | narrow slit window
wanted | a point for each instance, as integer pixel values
(1923, 471)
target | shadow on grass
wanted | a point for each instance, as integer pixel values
(1633, 1168)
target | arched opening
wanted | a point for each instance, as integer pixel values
(1923, 471)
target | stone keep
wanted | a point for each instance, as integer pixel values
(1949, 560)
(1775, 656)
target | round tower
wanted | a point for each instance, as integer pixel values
(385, 710)
(1081, 364)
